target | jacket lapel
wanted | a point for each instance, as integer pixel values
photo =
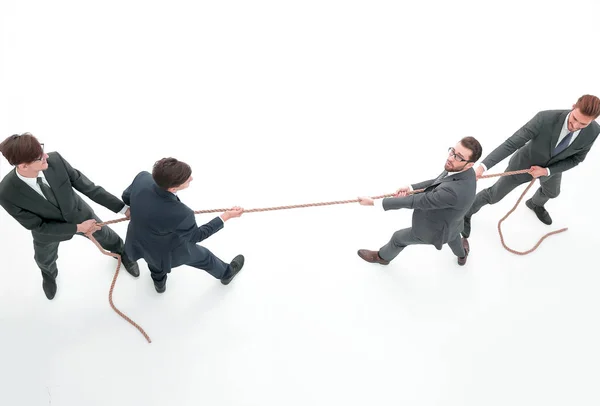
(50, 176)
(29, 195)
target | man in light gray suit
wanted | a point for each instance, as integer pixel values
(438, 210)
(551, 143)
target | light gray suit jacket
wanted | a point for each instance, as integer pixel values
(535, 141)
(439, 210)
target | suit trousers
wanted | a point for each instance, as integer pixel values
(202, 258)
(549, 189)
(405, 237)
(46, 254)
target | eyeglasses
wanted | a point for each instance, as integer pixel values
(42, 157)
(459, 158)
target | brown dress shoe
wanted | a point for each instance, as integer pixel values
(463, 260)
(372, 256)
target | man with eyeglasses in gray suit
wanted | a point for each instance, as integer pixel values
(438, 210)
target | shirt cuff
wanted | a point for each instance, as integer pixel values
(222, 221)
(378, 203)
(548, 169)
(124, 209)
(484, 167)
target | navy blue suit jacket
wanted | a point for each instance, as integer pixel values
(162, 230)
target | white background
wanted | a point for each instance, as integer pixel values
(280, 102)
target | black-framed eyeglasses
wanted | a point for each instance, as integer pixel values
(459, 158)
(42, 157)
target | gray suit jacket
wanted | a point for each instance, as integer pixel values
(439, 210)
(47, 222)
(535, 141)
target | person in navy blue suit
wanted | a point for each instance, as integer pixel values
(163, 231)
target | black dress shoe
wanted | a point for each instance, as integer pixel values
(236, 266)
(160, 288)
(466, 232)
(130, 266)
(463, 260)
(49, 286)
(540, 212)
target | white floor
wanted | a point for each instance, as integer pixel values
(275, 103)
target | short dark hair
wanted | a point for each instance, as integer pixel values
(21, 149)
(589, 105)
(475, 147)
(169, 172)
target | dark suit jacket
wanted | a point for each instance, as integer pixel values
(47, 222)
(162, 230)
(439, 211)
(535, 141)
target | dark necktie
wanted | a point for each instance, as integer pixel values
(47, 191)
(563, 144)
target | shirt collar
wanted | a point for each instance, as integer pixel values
(32, 180)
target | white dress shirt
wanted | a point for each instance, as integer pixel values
(563, 133)
(32, 182)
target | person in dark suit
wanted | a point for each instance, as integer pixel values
(163, 230)
(40, 194)
(438, 210)
(551, 143)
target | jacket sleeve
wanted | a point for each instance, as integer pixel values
(126, 196)
(514, 142)
(81, 183)
(33, 222)
(439, 198)
(197, 234)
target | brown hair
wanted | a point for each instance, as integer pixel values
(21, 149)
(473, 145)
(589, 105)
(169, 172)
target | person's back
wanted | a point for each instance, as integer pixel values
(163, 230)
(156, 216)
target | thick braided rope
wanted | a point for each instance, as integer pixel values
(112, 286)
(296, 206)
(512, 210)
